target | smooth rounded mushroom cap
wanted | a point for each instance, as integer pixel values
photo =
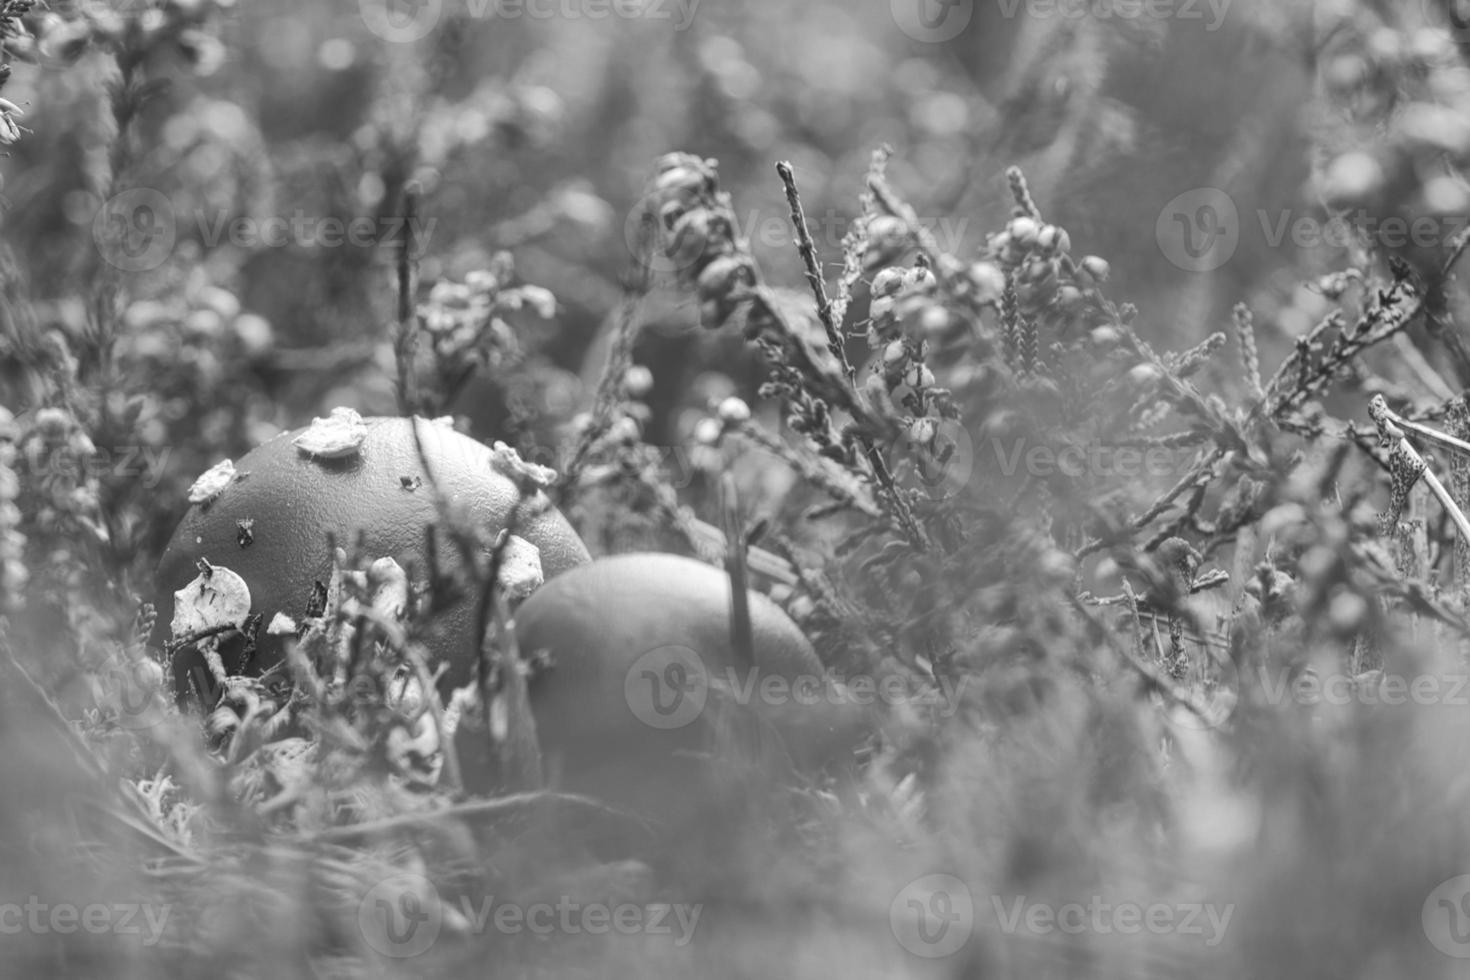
(614, 627)
(284, 502)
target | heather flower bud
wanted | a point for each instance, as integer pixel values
(1143, 374)
(919, 376)
(685, 182)
(707, 432)
(923, 430)
(918, 278)
(722, 276)
(53, 422)
(1053, 240)
(1023, 231)
(734, 411)
(1096, 268)
(638, 381)
(886, 228)
(689, 237)
(989, 280)
(887, 238)
(887, 282)
(1069, 298)
(1039, 270)
(935, 321)
(1347, 612)
(881, 308)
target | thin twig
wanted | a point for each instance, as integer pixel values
(808, 251)
(406, 337)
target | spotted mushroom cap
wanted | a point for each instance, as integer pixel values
(267, 518)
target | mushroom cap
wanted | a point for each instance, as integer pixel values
(623, 708)
(292, 500)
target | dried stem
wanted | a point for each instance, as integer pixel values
(808, 251)
(406, 338)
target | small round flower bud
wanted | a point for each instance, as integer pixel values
(881, 308)
(1347, 611)
(707, 432)
(887, 282)
(1097, 268)
(919, 376)
(1143, 374)
(1053, 240)
(638, 381)
(1023, 231)
(734, 411)
(935, 321)
(886, 229)
(989, 280)
(923, 430)
(918, 278)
